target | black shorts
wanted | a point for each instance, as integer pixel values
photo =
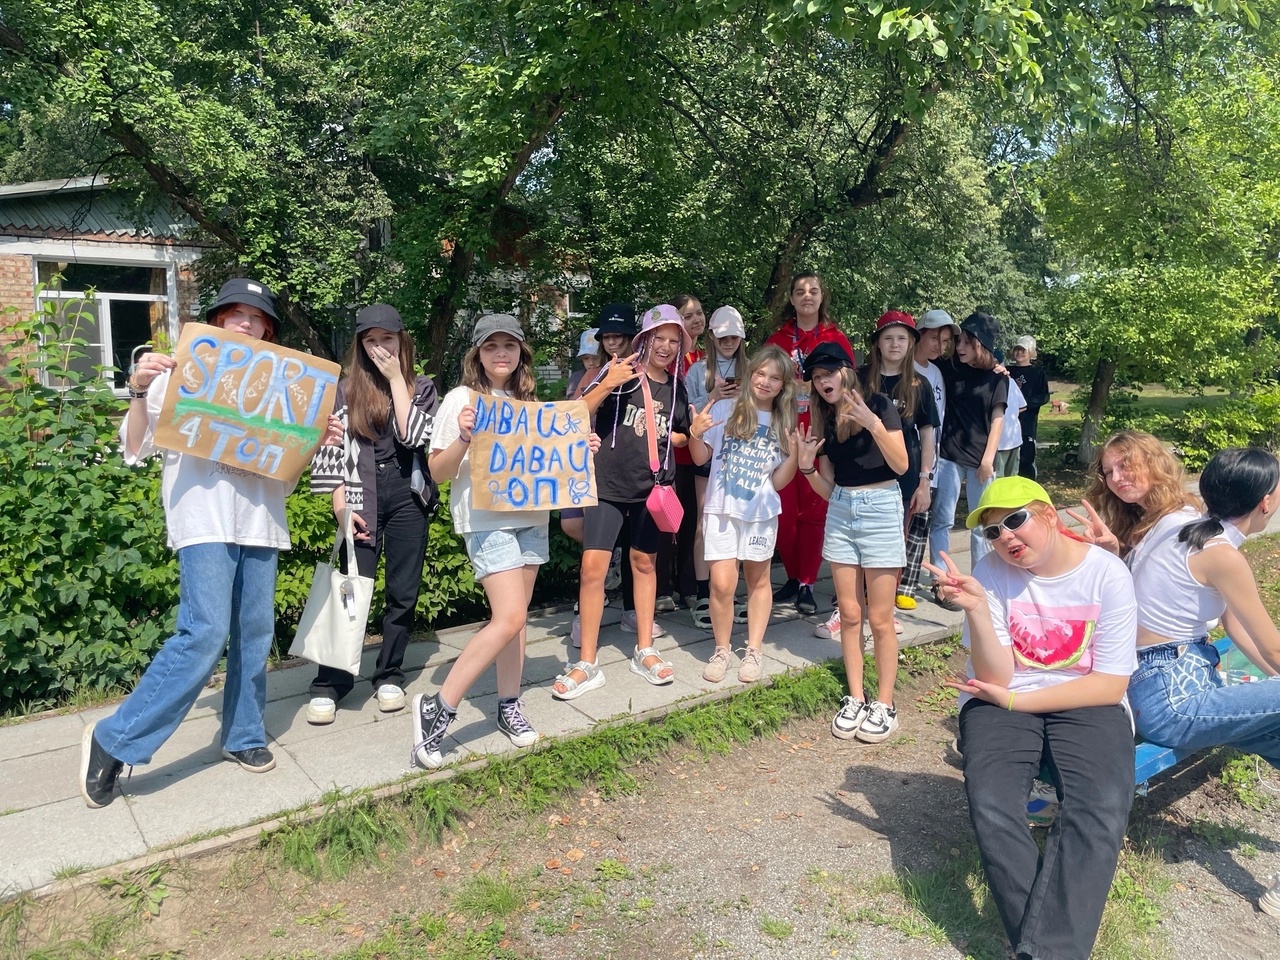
(603, 522)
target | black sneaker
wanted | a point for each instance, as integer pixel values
(254, 759)
(98, 770)
(944, 604)
(513, 722)
(786, 592)
(430, 723)
(805, 602)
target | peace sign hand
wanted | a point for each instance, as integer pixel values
(1095, 530)
(808, 446)
(700, 420)
(959, 588)
(619, 370)
(858, 411)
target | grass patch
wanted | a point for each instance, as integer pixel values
(1241, 777)
(495, 898)
(1264, 558)
(1226, 836)
(777, 929)
(357, 829)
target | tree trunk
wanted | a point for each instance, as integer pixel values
(1104, 376)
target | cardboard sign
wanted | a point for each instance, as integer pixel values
(247, 403)
(531, 456)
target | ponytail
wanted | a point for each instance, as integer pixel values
(1232, 485)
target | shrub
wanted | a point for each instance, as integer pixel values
(88, 585)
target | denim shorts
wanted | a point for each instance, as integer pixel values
(493, 551)
(865, 527)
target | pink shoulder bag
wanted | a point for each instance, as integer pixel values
(662, 501)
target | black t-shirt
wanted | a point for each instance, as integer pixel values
(1033, 383)
(858, 461)
(974, 397)
(622, 465)
(925, 415)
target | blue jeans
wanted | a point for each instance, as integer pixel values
(1182, 702)
(942, 513)
(225, 590)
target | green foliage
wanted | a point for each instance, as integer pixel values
(1243, 781)
(87, 585)
(144, 890)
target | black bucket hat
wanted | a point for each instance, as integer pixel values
(251, 293)
(617, 318)
(984, 328)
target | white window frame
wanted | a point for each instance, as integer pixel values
(75, 251)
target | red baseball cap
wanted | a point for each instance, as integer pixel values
(896, 318)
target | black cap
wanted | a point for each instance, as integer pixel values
(984, 328)
(826, 356)
(378, 316)
(251, 293)
(617, 318)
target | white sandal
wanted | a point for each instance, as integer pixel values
(652, 674)
(574, 688)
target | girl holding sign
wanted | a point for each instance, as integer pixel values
(751, 444)
(506, 547)
(634, 396)
(227, 527)
(375, 469)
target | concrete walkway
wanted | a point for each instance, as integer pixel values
(188, 792)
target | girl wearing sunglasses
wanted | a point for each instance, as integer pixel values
(1050, 623)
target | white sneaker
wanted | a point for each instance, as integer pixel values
(390, 698)
(613, 579)
(848, 718)
(321, 710)
(879, 723)
(1269, 902)
(628, 625)
(831, 629)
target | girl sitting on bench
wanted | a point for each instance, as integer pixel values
(1188, 571)
(1050, 627)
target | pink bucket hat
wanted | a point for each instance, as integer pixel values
(661, 316)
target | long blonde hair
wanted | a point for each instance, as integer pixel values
(845, 427)
(743, 419)
(520, 385)
(1146, 455)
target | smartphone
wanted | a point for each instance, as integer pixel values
(731, 381)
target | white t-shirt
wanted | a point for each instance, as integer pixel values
(931, 373)
(1011, 430)
(210, 502)
(1064, 627)
(741, 481)
(465, 519)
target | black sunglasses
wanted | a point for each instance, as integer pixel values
(1012, 522)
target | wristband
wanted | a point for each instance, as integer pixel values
(134, 392)
(811, 470)
(1009, 705)
(464, 439)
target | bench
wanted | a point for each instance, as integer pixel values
(1151, 760)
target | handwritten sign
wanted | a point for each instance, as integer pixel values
(247, 403)
(531, 456)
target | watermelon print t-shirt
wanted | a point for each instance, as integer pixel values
(1062, 627)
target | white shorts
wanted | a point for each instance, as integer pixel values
(725, 538)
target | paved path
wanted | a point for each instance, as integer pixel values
(189, 792)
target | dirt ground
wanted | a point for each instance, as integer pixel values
(798, 845)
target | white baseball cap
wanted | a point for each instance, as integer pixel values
(727, 322)
(935, 319)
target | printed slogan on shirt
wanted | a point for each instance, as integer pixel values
(531, 456)
(246, 403)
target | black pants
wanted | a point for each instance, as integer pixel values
(1050, 905)
(675, 560)
(402, 531)
(1029, 420)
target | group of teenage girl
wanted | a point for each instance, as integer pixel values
(1076, 639)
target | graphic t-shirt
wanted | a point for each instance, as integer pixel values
(798, 344)
(1063, 627)
(858, 461)
(465, 518)
(1034, 384)
(974, 398)
(622, 465)
(741, 481)
(924, 415)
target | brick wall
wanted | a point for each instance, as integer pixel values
(17, 289)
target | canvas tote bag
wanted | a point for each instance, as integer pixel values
(331, 631)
